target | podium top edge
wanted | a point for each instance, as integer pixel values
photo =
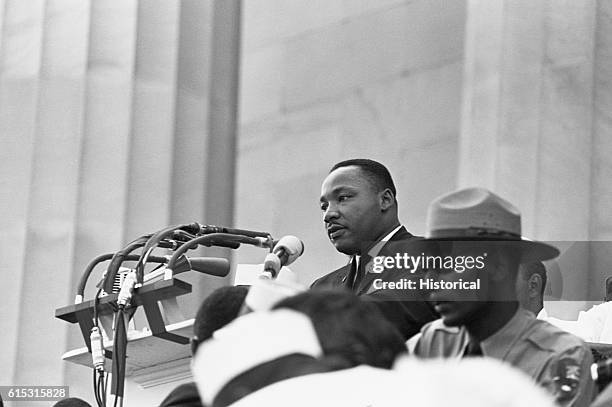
(159, 290)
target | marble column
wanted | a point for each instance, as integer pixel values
(535, 87)
(601, 169)
(106, 135)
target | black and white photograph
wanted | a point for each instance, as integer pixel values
(360, 203)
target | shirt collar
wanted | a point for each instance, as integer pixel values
(373, 252)
(499, 344)
(542, 314)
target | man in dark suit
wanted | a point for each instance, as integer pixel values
(358, 199)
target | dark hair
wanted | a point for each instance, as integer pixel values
(220, 308)
(72, 402)
(536, 267)
(375, 172)
(348, 327)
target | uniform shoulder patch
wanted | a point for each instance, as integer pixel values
(566, 377)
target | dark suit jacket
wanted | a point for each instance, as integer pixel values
(406, 309)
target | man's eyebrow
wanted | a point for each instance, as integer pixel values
(343, 188)
(337, 190)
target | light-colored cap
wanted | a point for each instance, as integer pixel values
(249, 341)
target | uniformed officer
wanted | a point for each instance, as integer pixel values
(480, 315)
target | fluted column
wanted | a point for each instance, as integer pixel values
(116, 118)
(527, 119)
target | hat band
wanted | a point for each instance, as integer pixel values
(473, 232)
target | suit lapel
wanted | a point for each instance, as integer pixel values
(344, 278)
(368, 278)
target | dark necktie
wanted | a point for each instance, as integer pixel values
(473, 349)
(361, 270)
(350, 277)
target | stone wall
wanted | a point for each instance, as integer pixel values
(330, 80)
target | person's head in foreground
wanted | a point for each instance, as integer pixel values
(413, 382)
(72, 402)
(220, 308)
(255, 350)
(312, 332)
(352, 331)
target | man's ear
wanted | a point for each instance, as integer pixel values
(387, 199)
(534, 285)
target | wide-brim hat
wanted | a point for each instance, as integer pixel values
(478, 214)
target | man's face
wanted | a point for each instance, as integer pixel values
(352, 210)
(522, 288)
(458, 306)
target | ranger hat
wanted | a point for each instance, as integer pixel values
(479, 214)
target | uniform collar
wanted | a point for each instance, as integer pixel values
(499, 344)
(542, 314)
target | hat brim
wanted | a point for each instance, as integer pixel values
(530, 251)
(537, 251)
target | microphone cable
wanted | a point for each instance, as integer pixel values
(100, 259)
(118, 259)
(99, 384)
(96, 388)
(156, 238)
(98, 356)
(119, 353)
(122, 255)
(214, 239)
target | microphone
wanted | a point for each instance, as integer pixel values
(198, 229)
(214, 266)
(285, 252)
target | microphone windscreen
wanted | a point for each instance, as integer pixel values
(293, 246)
(214, 266)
